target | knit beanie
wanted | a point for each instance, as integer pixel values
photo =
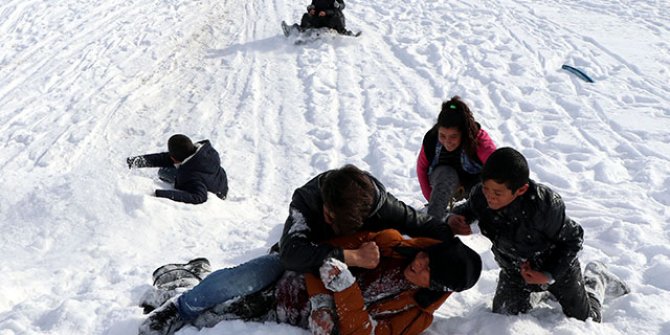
(180, 147)
(453, 266)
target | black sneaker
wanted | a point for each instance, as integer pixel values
(162, 321)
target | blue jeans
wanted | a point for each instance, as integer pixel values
(225, 284)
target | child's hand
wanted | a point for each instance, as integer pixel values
(458, 225)
(366, 256)
(335, 275)
(531, 276)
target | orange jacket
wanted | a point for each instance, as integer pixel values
(395, 315)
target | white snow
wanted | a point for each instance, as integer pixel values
(84, 84)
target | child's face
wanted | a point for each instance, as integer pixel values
(498, 195)
(418, 272)
(450, 138)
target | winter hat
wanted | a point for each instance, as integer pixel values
(180, 147)
(453, 266)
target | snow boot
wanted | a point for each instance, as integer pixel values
(171, 276)
(156, 297)
(162, 321)
(613, 286)
(173, 279)
(600, 282)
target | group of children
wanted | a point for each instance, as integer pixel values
(343, 266)
(344, 263)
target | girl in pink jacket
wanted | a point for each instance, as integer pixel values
(451, 157)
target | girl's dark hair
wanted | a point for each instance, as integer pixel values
(456, 114)
(350, 194)
(506, 166)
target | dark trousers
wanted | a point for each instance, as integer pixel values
(167, 174)
(513, 294)
(335, 21)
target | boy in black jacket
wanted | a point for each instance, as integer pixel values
(337, 202)
(340, 202)
(194, 169)
(534, 242)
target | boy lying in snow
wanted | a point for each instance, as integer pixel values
(413, 278)
(194, 169)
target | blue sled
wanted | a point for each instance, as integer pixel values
(579, 73)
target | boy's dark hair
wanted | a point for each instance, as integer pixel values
(506, 166)
(349, 193)
(456, 114)
(180, 147)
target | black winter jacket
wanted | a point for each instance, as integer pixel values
(300, 246)
(331, 7)
(197, 175)
(533, 227)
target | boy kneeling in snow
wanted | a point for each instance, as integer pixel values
(534, 242)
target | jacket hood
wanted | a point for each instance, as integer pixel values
(206, 159)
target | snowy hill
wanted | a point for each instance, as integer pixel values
(85, 84)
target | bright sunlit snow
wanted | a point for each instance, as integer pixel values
(84, 84)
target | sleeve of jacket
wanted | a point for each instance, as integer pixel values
(192, 192)
(298, 251)
(467, 208)
(397, 215)
(566, 233)
(354, 318)
(161, 159)
(485, 146)
(422, 166)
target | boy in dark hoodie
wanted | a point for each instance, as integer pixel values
(534, 242)
(194, 168)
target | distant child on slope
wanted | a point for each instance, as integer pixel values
(324, 13)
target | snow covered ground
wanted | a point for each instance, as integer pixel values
(84, 84)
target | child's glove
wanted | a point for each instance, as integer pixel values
(323, 317)
(335, 275)
(136, 162)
